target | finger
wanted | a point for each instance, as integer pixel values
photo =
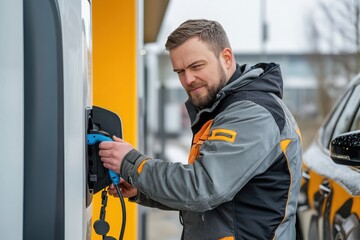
(106, 160)
(116, 139)
(112, 190)
(113, 193)
(106, 145)
(105, 153)
(108, 166)
(125, 185)
(102, 153)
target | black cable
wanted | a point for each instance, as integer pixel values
(123, 212)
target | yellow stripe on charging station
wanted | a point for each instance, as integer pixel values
(114, 88)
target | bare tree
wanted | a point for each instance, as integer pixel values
(343, 18)
(334, 35)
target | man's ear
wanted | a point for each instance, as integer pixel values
(227, 56)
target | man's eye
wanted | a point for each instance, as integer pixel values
(195, 67)
(180, 73)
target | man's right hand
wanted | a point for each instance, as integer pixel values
(127, 190)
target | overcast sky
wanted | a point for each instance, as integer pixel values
(241, 19)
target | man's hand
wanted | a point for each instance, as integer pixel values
(112, 153)
(127, 190)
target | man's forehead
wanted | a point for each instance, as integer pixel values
(189, 53)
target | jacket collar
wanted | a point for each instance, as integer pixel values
(260, 77)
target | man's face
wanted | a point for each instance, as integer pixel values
(200, 72)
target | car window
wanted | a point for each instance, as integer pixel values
(346, 118)
(329, 126)
(356, 123)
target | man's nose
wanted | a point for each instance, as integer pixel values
(189, 77)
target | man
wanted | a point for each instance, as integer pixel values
(243, 175)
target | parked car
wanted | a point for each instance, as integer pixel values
(329, 201)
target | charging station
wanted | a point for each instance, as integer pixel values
(49, 86)
(57, 98)
(49, 178)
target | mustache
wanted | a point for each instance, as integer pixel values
(195, 85)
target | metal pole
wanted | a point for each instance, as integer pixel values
(264, 33)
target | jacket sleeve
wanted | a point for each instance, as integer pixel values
(222, 167)
(144, 200)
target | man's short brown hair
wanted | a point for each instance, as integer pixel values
(210, 32)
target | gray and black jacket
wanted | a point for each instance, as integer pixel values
(244, 171)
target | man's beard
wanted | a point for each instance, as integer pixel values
(202, 102)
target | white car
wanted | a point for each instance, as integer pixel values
(329, 202)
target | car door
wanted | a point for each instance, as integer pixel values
(329, 205)
(344, 211)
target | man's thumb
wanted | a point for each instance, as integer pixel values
(116, 139)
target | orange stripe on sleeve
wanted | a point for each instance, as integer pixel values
(284, 144)
(227, 238)
(141, 166)
(299, 133)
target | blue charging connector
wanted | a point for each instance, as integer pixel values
(93, 138)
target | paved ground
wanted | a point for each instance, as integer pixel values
(163, 225)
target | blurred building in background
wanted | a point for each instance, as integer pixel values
(306, 38)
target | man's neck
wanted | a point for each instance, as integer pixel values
(236, 74)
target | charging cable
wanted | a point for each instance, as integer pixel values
(101, 226)
(123, 212)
